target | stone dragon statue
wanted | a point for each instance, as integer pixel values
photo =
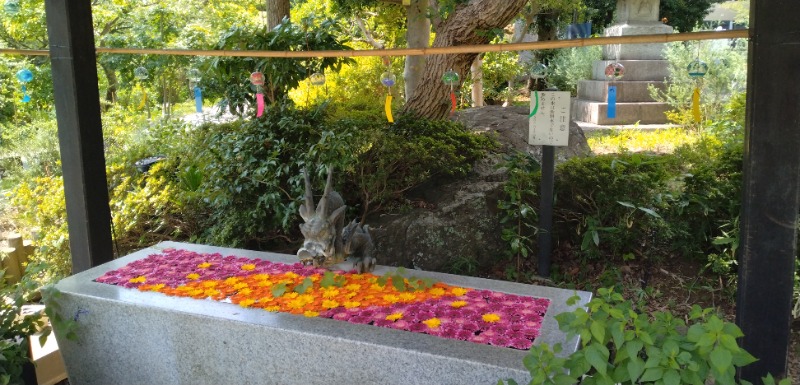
(327, 242)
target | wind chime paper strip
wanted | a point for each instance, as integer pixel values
(260, 104)
(452, 102)
(696, 105)
(611, 111)
(198, 99)
(550, 125)
(388, 108)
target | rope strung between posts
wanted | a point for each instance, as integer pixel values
(480, 48)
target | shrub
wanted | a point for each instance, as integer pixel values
(570, 65)
(609, 204)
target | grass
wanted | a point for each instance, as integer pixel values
(660, 141)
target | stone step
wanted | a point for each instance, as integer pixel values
(627, 113)
(627, 91)
(656, 70)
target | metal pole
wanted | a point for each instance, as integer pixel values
(546, 209)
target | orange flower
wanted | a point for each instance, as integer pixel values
(491, 317)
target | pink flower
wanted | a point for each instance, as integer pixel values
(521, 343)
(499, 341)
(464, 335)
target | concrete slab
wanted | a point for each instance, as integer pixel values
(130, 337)
(627, 113)
(652, 51)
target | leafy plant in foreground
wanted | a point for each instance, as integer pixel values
(619, 345)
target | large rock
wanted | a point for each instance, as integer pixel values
(458, 221)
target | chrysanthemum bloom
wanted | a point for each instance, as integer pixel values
(204, 265)
(193, 276)
(394, 317)
(490, 317)
(432, 323)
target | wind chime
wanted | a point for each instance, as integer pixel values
(538, 73)
(194, 77)
(141, 74)
(317, 79)
(697, 69)
(388, 79)
(25, 76)
(614, 72)
(11, 7)
(257, 80)
(451, 78)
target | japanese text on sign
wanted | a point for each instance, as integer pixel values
(550, 125)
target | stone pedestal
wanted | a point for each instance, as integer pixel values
(644, 67)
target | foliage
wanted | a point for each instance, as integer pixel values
(518, 212)
(662, 141)
(40, 206)
(229, 76)
(413, 150)
(685, 15)
(570, 65)
(402, 282)
(16, 327)
(726, 77)
(620, 195)
(500, 70)
(621, 345)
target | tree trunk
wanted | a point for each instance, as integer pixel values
(276, 11)
(477, 82)
(111, 76)
(418, 35)
(462, 27)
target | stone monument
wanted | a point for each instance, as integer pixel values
(644, 66)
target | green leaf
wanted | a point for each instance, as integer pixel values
(596, 359)
(304, 286)
(633, 348)
(327, 280)
(278, 290)
(645, 337)
(399, 283)
(598, 331)
(617, 335)
(626, 204)
(672, 377)
(563, 379)
(695, 332)
(635, 368)
(721, 358)
(650, 212)
(651, 375)
(743, 358)
(728, 342)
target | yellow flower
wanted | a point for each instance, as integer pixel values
(248, 267)
(245, 291)
(246, 302)
(310, 314)
(459, 291)
(328, 304)
(295, 304)
(376, 287)
(353, 287)
(391, 298)
(240, 286)
(306, 298)
(407, 297)
(291, 295)
(204, 265)
(458, 304)
(290, 275)
(351, 304)
(139, 279)
(261, 277)
(330, 292)
(432, 323)
(193, 276)
(157, 287)
(437, 292)
(394, 317)
(273, 309)
(209, 283)
(491, 317)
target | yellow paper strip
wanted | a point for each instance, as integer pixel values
(696, 105)
(388, 108)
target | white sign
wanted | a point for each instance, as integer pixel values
(549, 126)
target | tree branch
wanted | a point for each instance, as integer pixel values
(367, 33)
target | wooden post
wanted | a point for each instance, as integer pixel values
(770, 191)
(80, 131)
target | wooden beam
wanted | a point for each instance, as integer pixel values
(479, 48)
(80, 131)
(770, 191)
